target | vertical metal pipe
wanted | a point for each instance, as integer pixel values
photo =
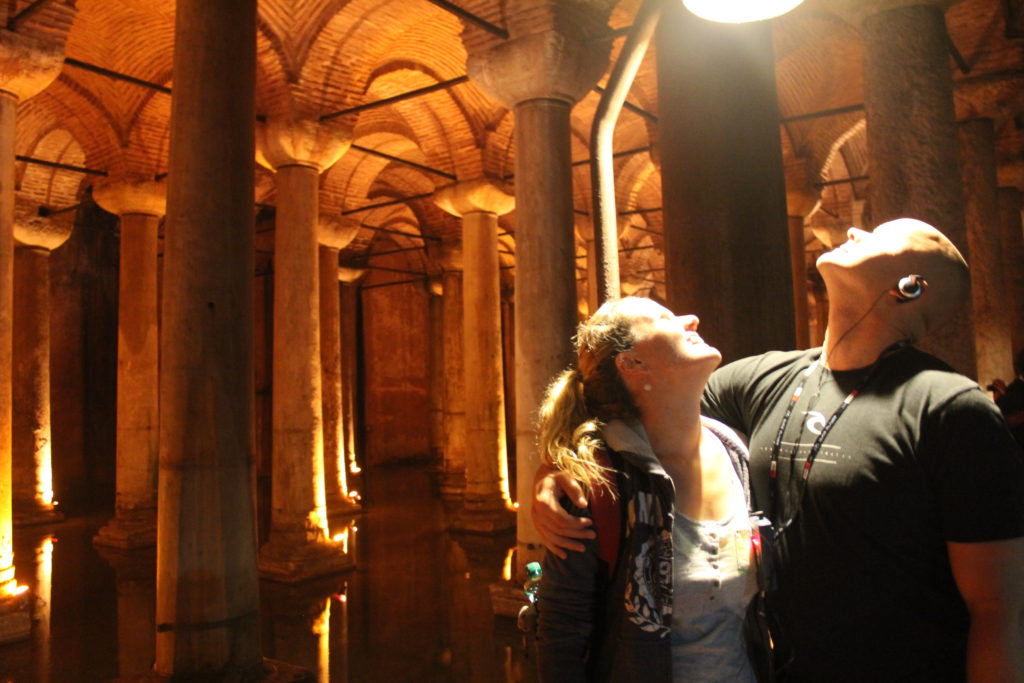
(602, 170)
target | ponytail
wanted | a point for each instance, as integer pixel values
(569, 436)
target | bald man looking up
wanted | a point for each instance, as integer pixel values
(893, 485)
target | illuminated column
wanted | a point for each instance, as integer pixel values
(349, 315)
(540, 75)
(1009, 200)
(436, 290)
(486, 507)
(912, 141)
(992, 342)
(207, 583)
(299, 547)
(453, 477)
(335, 234)
(35, 238)
(139, 206)
(727, 248)
(27, 65)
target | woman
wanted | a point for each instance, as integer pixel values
(660, 594)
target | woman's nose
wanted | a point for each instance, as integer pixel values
(690, 322)
(855, 234)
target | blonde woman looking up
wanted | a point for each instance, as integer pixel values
(660, 593)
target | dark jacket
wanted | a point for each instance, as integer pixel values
(612, 623)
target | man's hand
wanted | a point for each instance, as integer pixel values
(557, 528)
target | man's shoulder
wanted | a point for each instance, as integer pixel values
(768, 364)
(922, 372)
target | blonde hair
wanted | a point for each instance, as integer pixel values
(582, 399)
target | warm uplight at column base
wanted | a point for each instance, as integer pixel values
(15, 613)
(739, 11)
(289, 562)
(37, 513)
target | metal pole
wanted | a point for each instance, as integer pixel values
(602, 170)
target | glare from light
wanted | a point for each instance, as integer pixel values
(739, 11)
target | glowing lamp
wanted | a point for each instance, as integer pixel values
(739, 11)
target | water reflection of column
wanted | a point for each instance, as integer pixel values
(300, 624)
(339, 643)
(475, 562)
(136, 608)
(41, 613)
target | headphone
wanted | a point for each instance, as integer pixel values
(909, 288)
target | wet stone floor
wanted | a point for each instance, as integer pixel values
(415, 608)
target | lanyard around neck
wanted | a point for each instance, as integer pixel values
(820, 440)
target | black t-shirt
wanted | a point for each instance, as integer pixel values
(920, 457)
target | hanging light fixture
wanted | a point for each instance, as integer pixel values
(739, 11)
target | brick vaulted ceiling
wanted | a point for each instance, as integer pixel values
(317, 57)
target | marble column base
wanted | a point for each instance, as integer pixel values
(15, 617)
(128, 531)
(342, 506)
(31, 514)
(273, 671)
(294, 561)
(507, 598)
(483, 516)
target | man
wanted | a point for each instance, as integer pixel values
(897, 491)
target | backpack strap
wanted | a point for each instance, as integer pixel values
(606, 511)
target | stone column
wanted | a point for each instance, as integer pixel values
(1009, 201)
(207, 604)
(436, 315)
(349, 307)
(801, 200)
(299, 546)
(540, 76)
(727, 248)
(453, 476)
(992, 343)
(27, 65)
(335, 234)
(486, 506)
(140, 205)
(35, 238)
(912, 141)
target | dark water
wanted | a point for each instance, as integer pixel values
(416, 607)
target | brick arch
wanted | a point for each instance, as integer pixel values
(499, 145)
(52, 187)
(69, 108)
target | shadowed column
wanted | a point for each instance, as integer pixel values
(207, 605)
(140, 205)
(1009, 201)
(453, 474)
(912, 140)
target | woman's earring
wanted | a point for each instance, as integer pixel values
(647, 387)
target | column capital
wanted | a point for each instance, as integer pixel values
(544, 65)
(856, 11)
(336, 232)
(147, 197)
(33, 230)
(481, 195)
(349, 275)
(448, 254)
(301, 141)
(27, 64)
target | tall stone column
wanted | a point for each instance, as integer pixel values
(349, 313)
(912, 141)
(27, 65)
(992, 343)
(540, 76)
(139, 205)
(35, 238)
(1009, 201)
(727, 248)
(801, 200)
(207, 604)
(436, 317)
(486, 507)
(453, 475)
(335, 234)
(299, 546)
